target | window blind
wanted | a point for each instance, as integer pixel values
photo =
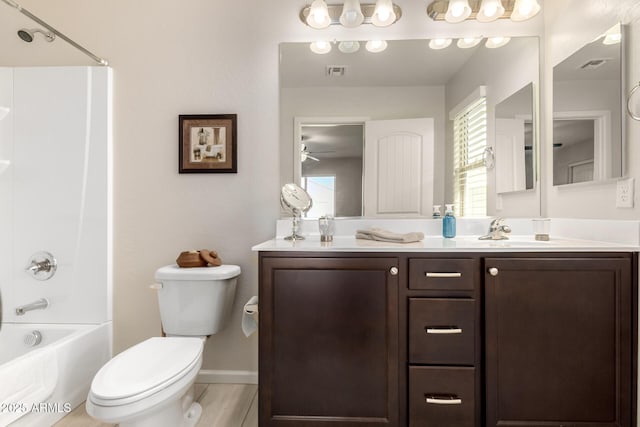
(470, 173)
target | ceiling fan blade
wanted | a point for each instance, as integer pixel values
(312, 158)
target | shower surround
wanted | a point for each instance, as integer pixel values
(55, 196)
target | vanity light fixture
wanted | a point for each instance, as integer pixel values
(458, 11)
(482, 10)
(495, 42)
(318, 16)
(524, 9)
(349, 46)
(468, 42)
(352, 14)
(376, 46)
(490, 10)
(320, 47)
(437, 44)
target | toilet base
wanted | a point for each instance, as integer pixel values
(179, 413)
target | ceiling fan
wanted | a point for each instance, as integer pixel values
(305, 154)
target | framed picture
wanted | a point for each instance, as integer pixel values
(207, 143)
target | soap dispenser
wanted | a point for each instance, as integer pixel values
(449, 223)
(436, 212)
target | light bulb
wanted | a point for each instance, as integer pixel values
(376, 46)
(437, 44)
(351, 14)
(457, 11)
(524, 9)
(318, 15)
(320, 47)
(383, 14)
(490, 10)
(468, 42)
(495, 42)
(349, 46)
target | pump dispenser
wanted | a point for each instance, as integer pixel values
(449, 223)
(436, 212)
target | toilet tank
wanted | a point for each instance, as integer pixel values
(196, 301)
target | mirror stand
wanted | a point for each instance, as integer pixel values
(295, 227)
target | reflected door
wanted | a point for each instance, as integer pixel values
(398, 167)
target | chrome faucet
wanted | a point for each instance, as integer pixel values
(41, 304)
(497, 231)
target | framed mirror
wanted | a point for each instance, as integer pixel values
(588, 115)
(325, 94)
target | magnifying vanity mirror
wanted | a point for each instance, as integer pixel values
(296, 201)
(328, 101)
(588, 119)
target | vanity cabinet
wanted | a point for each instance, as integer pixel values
(328, 341)
(559, 341)
(448, 339)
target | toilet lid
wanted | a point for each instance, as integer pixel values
(146, 366)
(173, 272)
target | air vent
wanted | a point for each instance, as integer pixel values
(593, 64)
(335, 70)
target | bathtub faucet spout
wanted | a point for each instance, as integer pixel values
(41, 304)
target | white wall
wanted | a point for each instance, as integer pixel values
(201, 56)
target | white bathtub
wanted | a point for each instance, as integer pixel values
(41, 384)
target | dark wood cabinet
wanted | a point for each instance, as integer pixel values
(559, 342)
(328, 342)
(448, 340)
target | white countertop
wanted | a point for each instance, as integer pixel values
(439, 244)
(567, 235)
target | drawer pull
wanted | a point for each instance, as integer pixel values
(444, 400)
(443, 275)
(443, 330)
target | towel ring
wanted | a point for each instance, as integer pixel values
(629, 97)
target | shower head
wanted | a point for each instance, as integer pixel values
(28, 35)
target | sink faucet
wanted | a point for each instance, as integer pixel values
(41, 304)
(497, 231)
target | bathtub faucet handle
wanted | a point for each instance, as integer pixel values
(42, 266)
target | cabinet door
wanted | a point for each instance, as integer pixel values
(558, 342)
(328, 342)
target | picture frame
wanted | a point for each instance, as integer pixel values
(207, 143)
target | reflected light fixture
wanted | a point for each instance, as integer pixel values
(318, 15)
(458, 11)
(495, 42)
(349, 46)
(351, 16)
(376, 46)
(524, 9)
(490, 10)
(468, 42)
(320, 47)
(613, 35)
(437, 44)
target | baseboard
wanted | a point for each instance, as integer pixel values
(209, 376)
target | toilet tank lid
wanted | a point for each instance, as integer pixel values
(173, 272)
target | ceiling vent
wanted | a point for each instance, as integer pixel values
(592, 64)
(335, 70)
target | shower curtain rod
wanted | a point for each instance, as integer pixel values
(39, 21)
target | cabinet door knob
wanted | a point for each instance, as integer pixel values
(393, 271)
(493, 271)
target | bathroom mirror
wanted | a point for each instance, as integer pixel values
(321, 95)
(588, 119)
(514, 135)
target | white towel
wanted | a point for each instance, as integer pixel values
(249, 316)
(387, 236)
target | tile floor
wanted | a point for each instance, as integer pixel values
(223, 405)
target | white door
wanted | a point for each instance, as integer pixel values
(398, 167)
(510, 164)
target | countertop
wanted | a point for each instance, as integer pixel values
(515, 243)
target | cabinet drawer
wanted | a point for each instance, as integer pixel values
(441, 397)
(442, 274)
(441, 331)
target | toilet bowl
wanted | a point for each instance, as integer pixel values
(151, 383)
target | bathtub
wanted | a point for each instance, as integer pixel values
(41, 384)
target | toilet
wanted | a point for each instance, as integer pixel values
(151, 383)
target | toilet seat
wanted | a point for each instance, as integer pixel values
(145, 369)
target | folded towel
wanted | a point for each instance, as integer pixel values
(387, 236)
